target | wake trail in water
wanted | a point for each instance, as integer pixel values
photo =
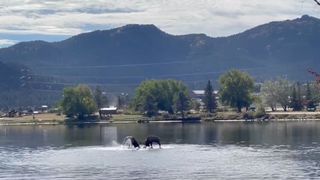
(126, 148)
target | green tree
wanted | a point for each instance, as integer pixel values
(310, 100)
(209, 98)
(182, 102)
(154, 95)
(295, 103)
(145, 98)
(149, 105)
(195, 105)
(122, 99)
(236, 88)
(282, 91)
(100, 99)
(269, 96)
(78, 101)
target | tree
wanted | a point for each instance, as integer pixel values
(145, 99)
(209, 98)
(149, 105)
(154, 95)
(269, 96)
(195, 104)
(182, 102)
(236, 88)
(122, 100)
(282, 91)
(296, 101)
(310, 100)
(100, 99)
(78, 101)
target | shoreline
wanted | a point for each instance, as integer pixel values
(224, 117)
(39, 123)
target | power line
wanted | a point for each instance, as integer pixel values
(144, 77)
(135, 84)
(113, 66)
(82, 76)
(90, 84)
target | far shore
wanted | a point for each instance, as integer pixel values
(221, 117)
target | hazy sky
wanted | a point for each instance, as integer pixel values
(53, 20)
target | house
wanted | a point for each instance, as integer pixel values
(44, 108)
(108, 112)
(198, 95)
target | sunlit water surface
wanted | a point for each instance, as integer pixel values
(189, 151)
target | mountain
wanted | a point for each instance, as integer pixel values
(12, 76)
(282, 46)
(119, 59)
(13, 84)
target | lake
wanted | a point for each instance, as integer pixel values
(277, 150)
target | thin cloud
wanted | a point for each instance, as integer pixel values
(213, 17)
(6, 42)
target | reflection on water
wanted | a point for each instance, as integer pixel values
(190, 151)
(290, 134)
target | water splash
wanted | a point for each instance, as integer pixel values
(126, 148)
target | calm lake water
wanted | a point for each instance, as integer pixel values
(284, 150)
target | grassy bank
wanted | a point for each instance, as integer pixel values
(36, 119)
(294, 115)
(52, 118)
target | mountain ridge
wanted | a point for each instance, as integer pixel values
(139, 52)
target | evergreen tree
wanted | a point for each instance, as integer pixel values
(296, 102)
(182, 103)
(299, 97)
(119, 101)
(310, 102)
(209, 98)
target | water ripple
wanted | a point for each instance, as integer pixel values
(171, 162)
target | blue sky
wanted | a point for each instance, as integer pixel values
(54, 20)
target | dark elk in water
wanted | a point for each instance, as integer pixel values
(152, 139)
(131, 141)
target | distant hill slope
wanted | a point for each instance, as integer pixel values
(121, 58)
(17, 89)
(12, 76)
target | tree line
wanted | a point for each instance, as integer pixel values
(237, 90)
(287, 94)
